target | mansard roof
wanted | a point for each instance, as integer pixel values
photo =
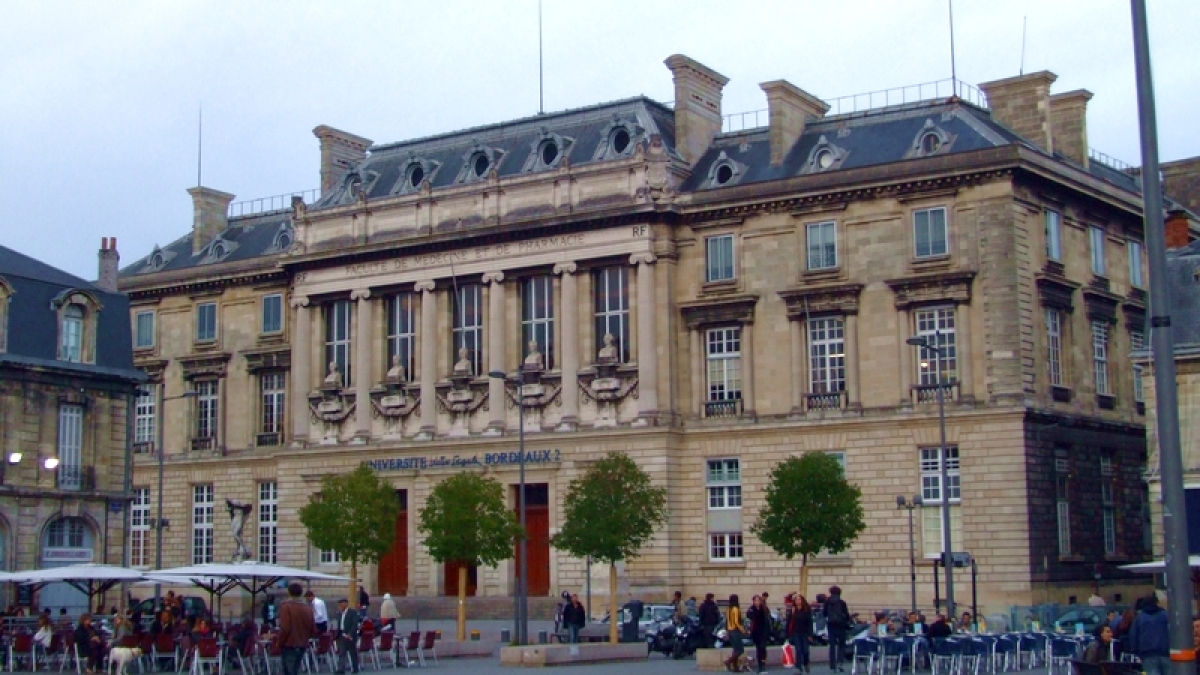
(246, 238)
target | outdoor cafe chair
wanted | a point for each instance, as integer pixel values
(1061, 652)
(21, 647)
(322, 649)
(944, 655)
(1004, 653)
(895, 651)
(428, 646)
(865, 649)
(411, 647)
(366, 649)
(207, 653)
(162, 648)
(386, 649)
(70, 654)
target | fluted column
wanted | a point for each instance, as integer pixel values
(748, 369)
(698, 360)
(496, 325)
(647, 356)
(904, 328)
(301, 375)
(428, 360)
(362, 367)
(569, 354)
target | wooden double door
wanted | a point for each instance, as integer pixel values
(392, 570)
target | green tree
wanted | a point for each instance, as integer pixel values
(466, 521)
(353, 515)
(810, 507)
(611, 511)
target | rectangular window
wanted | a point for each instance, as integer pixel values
(206, 322)
(724, 484)
(65, 533)
(145, 416)
(268, 514)
(719, 255)
(822, 245)
(1063, 503)
(467, 310)
(1109, 505)
(337, 338)
(1100, 356)
(70, 447)
(207, 408)
(611, 294)
(330, 558)
(1134, 250)
(1096, 244)
(725, 547)
(202, 524)
(932, 523)
(143, 330)
(272, 313)
(537, 317)
(1137, 342)
(929, 232)
(72, 334)
(1053, 235)
(139, 528)
(1054, 346)
(274, 391)
(402, 332)
(937, 326)
(724, 357)
(826, 356)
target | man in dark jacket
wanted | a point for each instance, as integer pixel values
(837, 621)
(347, 634)
(710, 616)
(1149, 638)
(575, 616)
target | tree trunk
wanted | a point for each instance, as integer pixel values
(804, 575)
(613, 616)
(462, 603)
(352, 597)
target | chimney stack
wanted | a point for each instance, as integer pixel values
(210, 215)
(339, 150)
(1178, 229)
(1068, 124)
(1022, 104)
(697, 105)
(789, 108)
(109, 260)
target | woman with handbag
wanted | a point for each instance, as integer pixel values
(799, 630)
(760, 630)
(733, 626)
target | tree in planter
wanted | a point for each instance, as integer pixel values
(810, 507)
(610, 512)
(465, 520)
(353, 515)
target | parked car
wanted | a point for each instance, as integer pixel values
(1090, 618)
(651, 614)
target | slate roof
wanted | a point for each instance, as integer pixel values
(1183, 264)
(245, 238)
(33, 321)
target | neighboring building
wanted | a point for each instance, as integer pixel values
(707, 301)
(66, 384)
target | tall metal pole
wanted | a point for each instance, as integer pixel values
(158, 525)
(947, 556)
(523, 566)
(912, 558)
(1162, 342)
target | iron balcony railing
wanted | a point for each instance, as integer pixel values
(728, 408)
(143, 448)
(75, 478)
(268, 439)
(204, 443)
(252, 207)
(835, 400)
(928, 393)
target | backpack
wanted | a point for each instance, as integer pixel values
(836, 613)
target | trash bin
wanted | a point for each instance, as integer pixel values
(629, 630)
(505, 635)
(543, 637)
(475, 636)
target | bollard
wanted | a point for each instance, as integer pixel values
(543, 637)
(437, 635)
(505, 635)
(475, 636)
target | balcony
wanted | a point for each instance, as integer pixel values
(729, 408)
(143, 448)
(834, 400)
(928, 393)
(75, 478)
(207, 443)
(268, 440)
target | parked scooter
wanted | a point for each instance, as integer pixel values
(688, 637)
(660, 637)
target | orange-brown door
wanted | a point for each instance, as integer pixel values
(451, 585)
(393, 566)
(537, 527)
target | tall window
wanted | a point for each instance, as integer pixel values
(72, 334)
(274, 391)
(143, 330)
(202, 524)
(724, 356)
(822, 245)
(1134, 250)
(401, 332)
(206, 322)
(272, 313)
(719, 256)
(929, 232)
(468, 324)
(1054, 346)
(931, 493)
(1062, 468)
(937, 326)
(139, 528)
(611, 294)
(537, 316)
(1109, 505)
(337, 338)
(1096, 245)
(1137, 341)
(70, 446)
(1100, 356)
(268, 517)
(826, 355)
(724, 486)
(207, 408)
(1053, 235)
(145, 415)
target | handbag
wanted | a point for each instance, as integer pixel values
(789, 655)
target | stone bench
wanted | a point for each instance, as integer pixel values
(714, 659)
(559, 655)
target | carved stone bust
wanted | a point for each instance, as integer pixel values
(464, 366)
(535, 360)
(334, 378)
(396, 372)
(608, 353)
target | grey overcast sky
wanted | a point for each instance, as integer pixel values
(98, 118)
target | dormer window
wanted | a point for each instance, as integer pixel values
(824, 156)
(930, 143)
(620, 140)
(76, 313)
(549, 153)
(930, 140)
(480, 164)
(284, 241)
(218, 250)
(354, 185)
(72, 334)
(157, 260)
(416, 174)
(725, 171)
(824, 159)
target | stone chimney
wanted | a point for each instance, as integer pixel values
(697, 105)
(339, 150)
(210, 215)
(789, 108)
(1178, 229)
(109, 260)
(1068, 124)
(1181, 182)
(1022, 104)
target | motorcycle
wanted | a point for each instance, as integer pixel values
(660, 637)
(688, 638)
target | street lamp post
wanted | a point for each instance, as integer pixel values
(943, 454)
(902, 503)
(158, 522)
(520, 604)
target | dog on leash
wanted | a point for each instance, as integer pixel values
(120, 657)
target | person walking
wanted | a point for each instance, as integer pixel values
(347, 634)
(733, 626)
(680, 608)
(296, 628)
(760, 630)
(837, 620)
(1149, 638)
(388, 614)
(799, 630)
(710, 617)
(575, 616)
(320, 613)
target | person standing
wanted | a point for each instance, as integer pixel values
(320, 613)
(680, 608)
(576, 618)
(1149, 638)
(347, 634)
(388, 613)
(733, 626)
(296, 628)
(799, 630)
(710, 616)
(364, 600)
(837, 619)
(760, 630)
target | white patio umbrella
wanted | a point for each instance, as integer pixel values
(1158, 566)
(253, 576)
(90, 578)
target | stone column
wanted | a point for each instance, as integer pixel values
(301, 364)
(699, 359)
(853, 395)
(796, 337)
(569, 356)
(362, 367)
(647, 357)
(748, 369)
(428, 360)
(904, 330)
(962, 345)
(496, 326)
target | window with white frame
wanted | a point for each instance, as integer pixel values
(273, 386)
(822, 245)
(1096, 247)
(145, 416)
(143, 329)
(70, 446)
(826, 355)
(330, 557)
(268, 518)
(937, 326)
(537, 316)
(139, 528)
(272, 313)
(611, 305)
(402, 332)
(723, 353)
(72, 334)
(932, 532)
(1100, 356)
(1134, 250)
(208, 408)
(202, 524)
(1062, 468)
(718, 253)
(1137, 342)
(467, 310)
(1109, 506)
(929, 232)
(1053, 235)
(337, 338)
(725, 546)
(839, 457)
(724, 483)
(1054, 342)
(206, 322)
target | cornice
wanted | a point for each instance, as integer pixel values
(830, 298)
(920, 289)
(731, 309)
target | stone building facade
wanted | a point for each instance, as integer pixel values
(706, 301)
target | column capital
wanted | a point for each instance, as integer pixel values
(646, 258)
(299, 301)
(493, 277)
(424, 286)
(360, 294)
(565, 268)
